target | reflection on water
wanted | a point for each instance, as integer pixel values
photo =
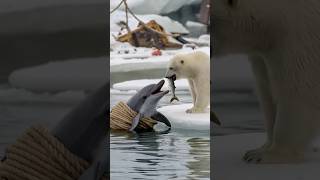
(178, 154)
(175, 155)
(181, 154)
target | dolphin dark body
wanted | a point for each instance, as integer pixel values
(138, 100)
(85, 128)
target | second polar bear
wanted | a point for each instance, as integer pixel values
(195, 67)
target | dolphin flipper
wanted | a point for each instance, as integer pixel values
(135, 121)
(161, 118)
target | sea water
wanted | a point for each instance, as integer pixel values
(180, 154)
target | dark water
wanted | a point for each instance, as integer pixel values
(176, 155)
(180, 154)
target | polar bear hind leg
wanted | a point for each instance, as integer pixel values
(202, 98)
(267, 102)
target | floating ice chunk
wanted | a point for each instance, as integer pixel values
(179, 119)
(167, 23)
(181, 85)
(196, 28)
(148, 6)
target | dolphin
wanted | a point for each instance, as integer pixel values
(148, 108)
(85, 126)
(138, 100)
(84, 129)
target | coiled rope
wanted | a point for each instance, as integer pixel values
(38, 155)
(121, 117)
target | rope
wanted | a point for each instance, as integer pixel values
(121, 117)
(37, 155)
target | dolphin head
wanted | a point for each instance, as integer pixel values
(149, 107)
(136, 102)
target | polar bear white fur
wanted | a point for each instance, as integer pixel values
(282, 41)
(195, 67)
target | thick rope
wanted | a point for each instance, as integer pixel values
(121, 117)
(37, 155)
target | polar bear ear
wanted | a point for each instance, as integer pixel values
(233, 3)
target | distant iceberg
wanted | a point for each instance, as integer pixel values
(155, 6)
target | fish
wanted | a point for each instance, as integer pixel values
(172, 88)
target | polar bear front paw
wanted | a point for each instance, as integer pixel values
(255, 151)
(264, 156)
(194, 110)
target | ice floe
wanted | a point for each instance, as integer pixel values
(181, 120)
(167, 23)
(148, 6)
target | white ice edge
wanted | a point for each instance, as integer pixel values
(167, 23)
(118, 64)
(181, 85)
(179, 119)
(148, 6)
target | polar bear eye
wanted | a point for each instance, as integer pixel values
(171, 68)
(181, 61)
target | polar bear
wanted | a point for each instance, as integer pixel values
(283, 46)
(195, 67)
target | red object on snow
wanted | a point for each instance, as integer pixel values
(156, 52)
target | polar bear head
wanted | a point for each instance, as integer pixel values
(187, 65)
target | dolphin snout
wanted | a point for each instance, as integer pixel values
(157, 87)
(163, 93)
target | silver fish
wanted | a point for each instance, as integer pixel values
(172, 88)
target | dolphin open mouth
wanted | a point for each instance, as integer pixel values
(162, 93)
(157, 88)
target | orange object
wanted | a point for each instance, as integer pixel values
(156, 52)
